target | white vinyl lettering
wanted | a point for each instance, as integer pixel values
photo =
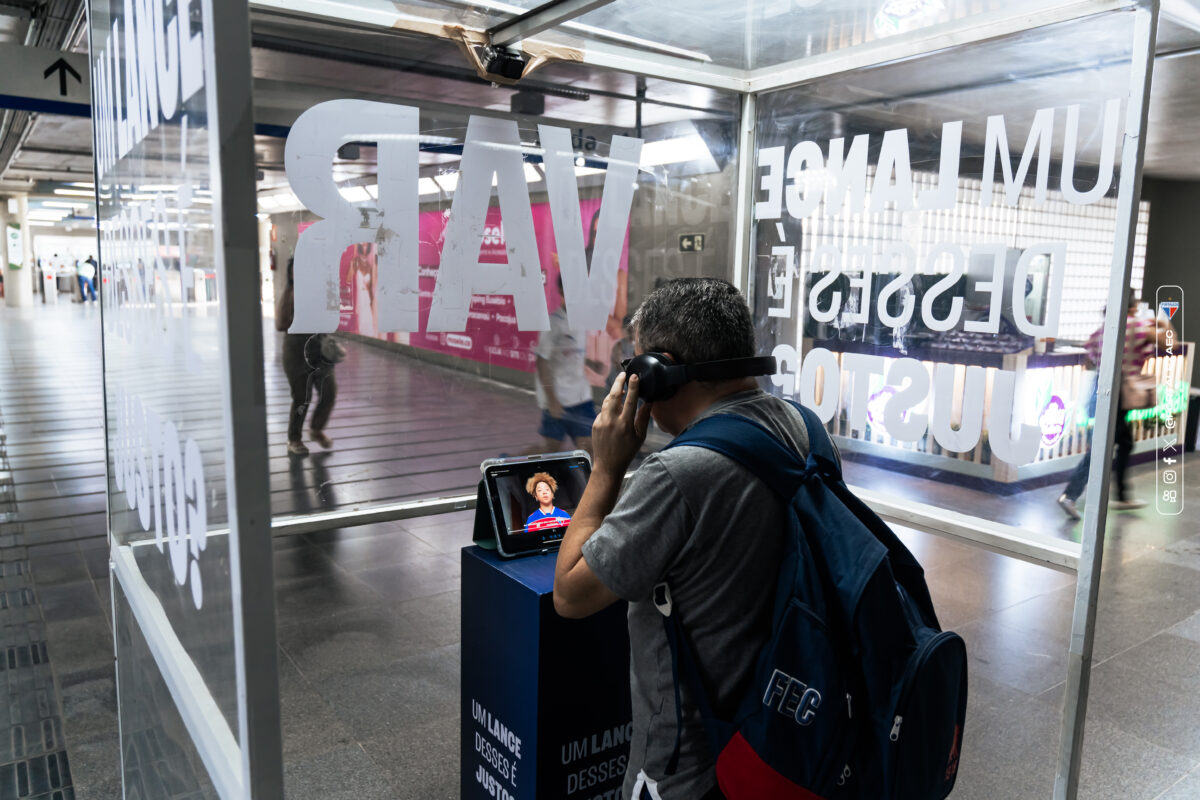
(170, 501)
(899, 420)
(391, 223)
(780, 289)
(1021, 449)
(847, 175)
(589, 289)
(893, 162)
(166, 59)
(803, 164)
(828, 259)
(860, 269)
(971, 426)
(492, 148)
(144, 72)
(770, 159)
(1036, 146)
(1112, 116)
(958, 268)
(908, 267)
(789, 362)
(1056, 255)
(822, 363)
(994, 288)
(945, 193)
(860, 367)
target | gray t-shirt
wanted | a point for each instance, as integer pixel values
(714, 533)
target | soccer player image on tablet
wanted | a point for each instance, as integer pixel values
(543, 486)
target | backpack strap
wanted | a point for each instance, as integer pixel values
(683, 658)
(760, 451)
(757, 449)
(820, 445)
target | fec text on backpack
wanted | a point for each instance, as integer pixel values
(858, 693)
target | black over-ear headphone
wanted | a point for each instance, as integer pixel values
(659, 377)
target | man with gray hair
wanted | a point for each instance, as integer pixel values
(690, 517)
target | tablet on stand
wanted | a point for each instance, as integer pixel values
(525, 504)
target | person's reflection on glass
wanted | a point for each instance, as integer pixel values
(325, 489)
(308, 362)
(302, 501)
(543, 487)
(314, 557)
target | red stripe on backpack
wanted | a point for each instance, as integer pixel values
(743, 775)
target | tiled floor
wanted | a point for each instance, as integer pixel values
(369, 616)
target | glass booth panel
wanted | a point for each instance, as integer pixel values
(444, 275)
(933, 245)
(168, 423)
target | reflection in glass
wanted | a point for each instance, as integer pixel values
(418, 410)
(934, 244)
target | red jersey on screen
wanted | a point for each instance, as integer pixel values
(542, 521)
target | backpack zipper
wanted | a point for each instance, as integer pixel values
(918, 661)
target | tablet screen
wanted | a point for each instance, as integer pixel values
(533, 501)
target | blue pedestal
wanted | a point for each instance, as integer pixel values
(545, 700)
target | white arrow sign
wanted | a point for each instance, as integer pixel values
(39, 79)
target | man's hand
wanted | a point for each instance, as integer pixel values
(620, 427)
(553, 407)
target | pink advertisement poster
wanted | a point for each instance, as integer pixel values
(491, 336)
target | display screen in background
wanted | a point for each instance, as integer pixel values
(520, 511)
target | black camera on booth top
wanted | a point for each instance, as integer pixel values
(503, 63)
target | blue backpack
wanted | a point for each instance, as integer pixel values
(858, 693)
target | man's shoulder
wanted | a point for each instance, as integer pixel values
(782, 419)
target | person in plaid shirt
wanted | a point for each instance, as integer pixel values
(1142, 335)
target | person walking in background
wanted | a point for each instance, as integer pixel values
(563, 392)
(622, 349)
(306, 367)
(86, 272)
(1142, 335)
